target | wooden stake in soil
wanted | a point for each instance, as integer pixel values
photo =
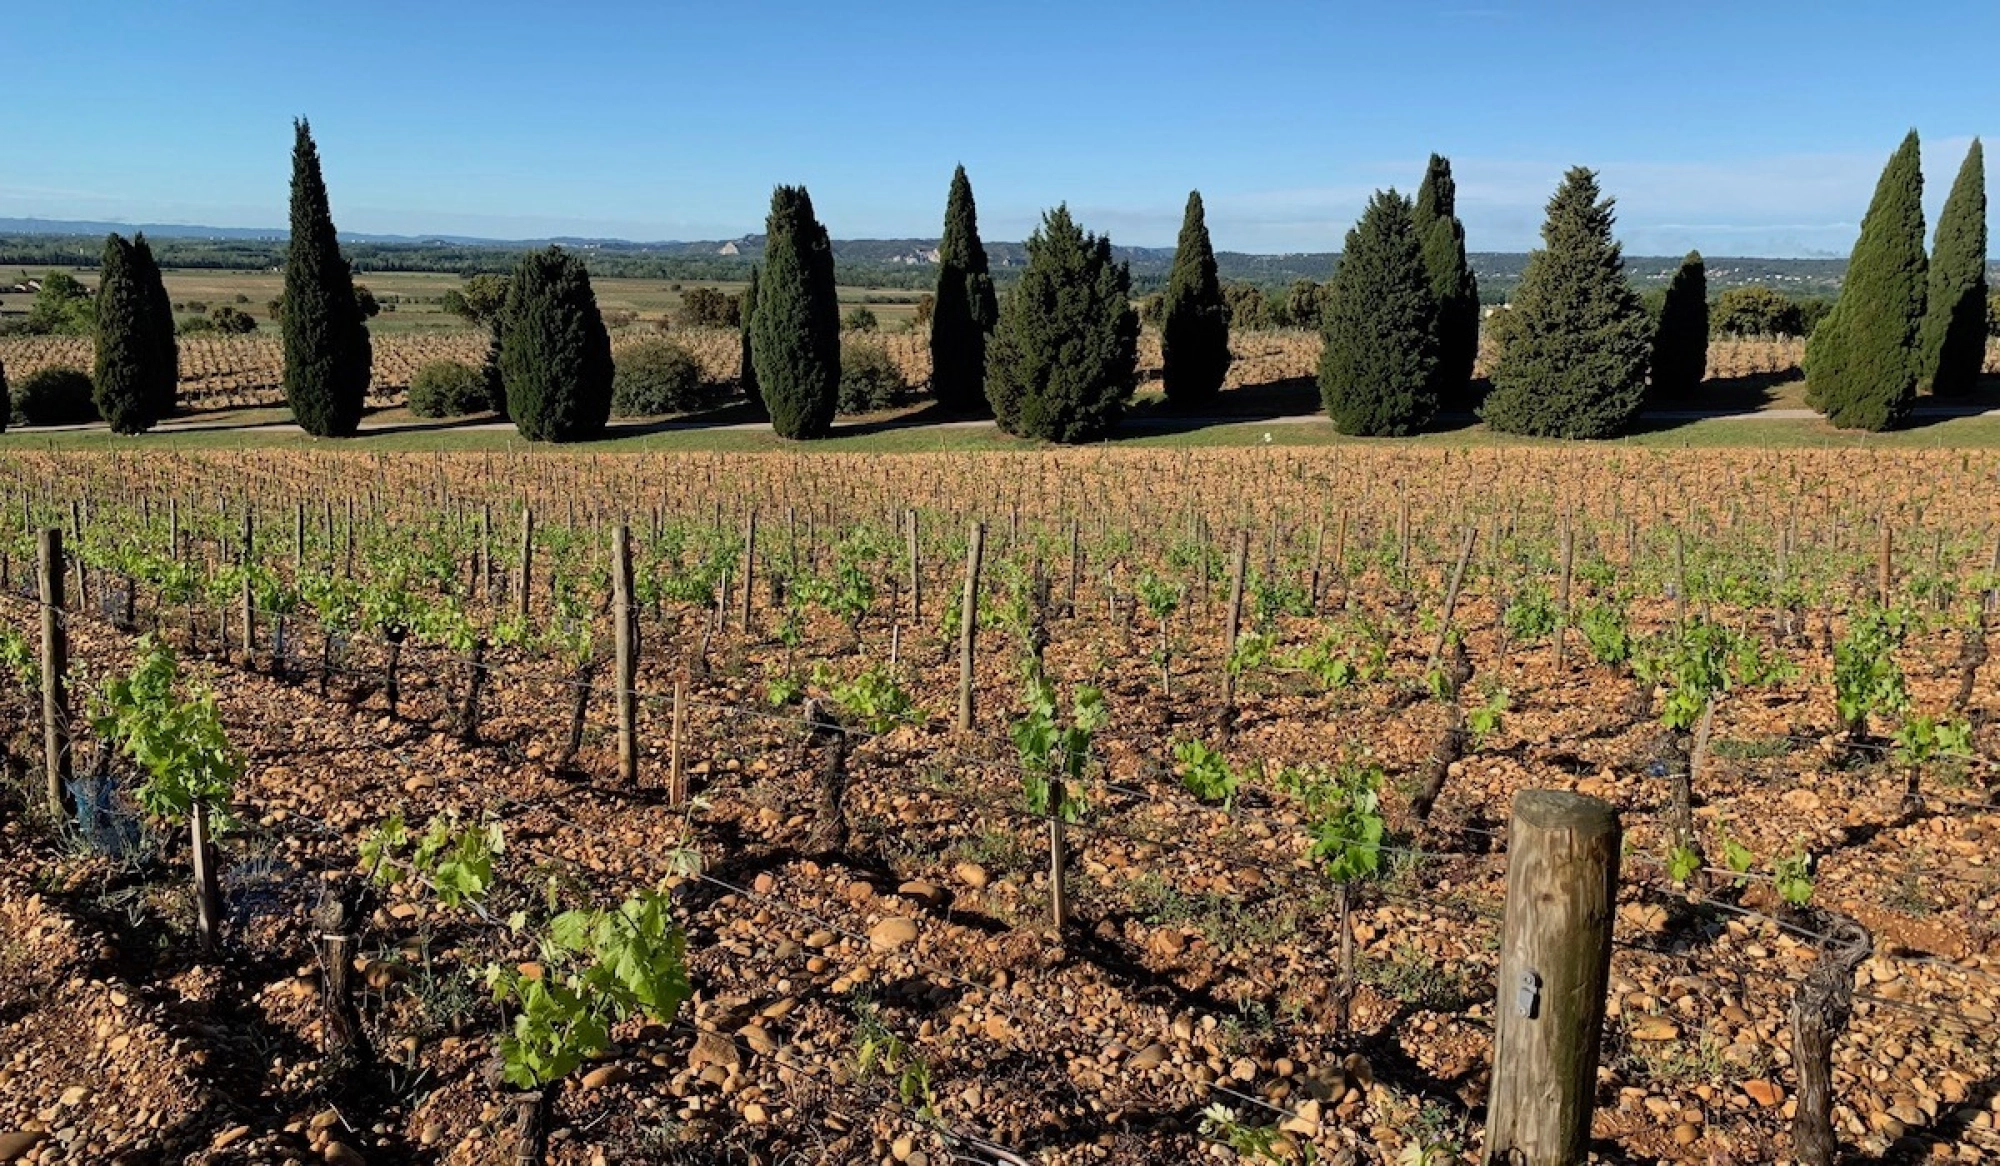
(916, 573)
(207, 887)
(1238, 564)
(527, 561)
(1885, 565)
(1555, 961)
(1451, 593)
(627, 654)
(1562, 596)
(749, 564)
(968, 624)
(55, 672)
(677, 789)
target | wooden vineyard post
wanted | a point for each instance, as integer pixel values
(207, 887)
(486, 551)
(627, 648)
(1680, 579)
(1562, 595)
(342, 1029)
(1313, 576)
(76, 536)
(677, 789)
(1993, 583)
(298, 542)
(1555, 962)
(55, 672)
(527, 561)
(1821, 1008)
(1058, 861)
(749, 564)
(1885, 565)
(1075, 563)
(1451, 593)
(1238, 564)
(968, 624)
(249, 595)
(916, 573)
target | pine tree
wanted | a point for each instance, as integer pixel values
(795, 339)
(1454, 288)
(1065, 356)
(327, 350)
(1862, 362)
(1575, 365)
(1680, 337)
(1194, 324)
(964, 310)
(166, 364)
(1954, 330)
(1378, 369)
(122, 385)
(747, 377)
(555, 354)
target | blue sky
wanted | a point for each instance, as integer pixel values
(1754, 127)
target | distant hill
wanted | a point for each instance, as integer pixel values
(905, 263)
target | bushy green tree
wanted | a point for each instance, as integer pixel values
(1378, 368)
(795, 341)
(1575, 361)
(1953, 337)
(166, 363)
(126, 351)
(1194, 323)
(1453, 285)
(964, 311)
(1680, 335)
(1246, 306)
(1862, 362)
(1756, 311)
(1065, 357)
(327, 351)
(62, 307)
(555, 353)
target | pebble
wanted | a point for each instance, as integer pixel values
(893, 932)
(604, 1075)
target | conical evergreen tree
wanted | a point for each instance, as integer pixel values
(1454, 287)
(964, 311)
(166, 365)
(1954, 331)
(122, 385)
(1575, 363)
(5, 395)
(327, 350)
(1065, 357)
(795, 337)
(747, 374)
(1862, 362)
(1680, 337)
(1194, 322)
(1378, 369)
(555, 353)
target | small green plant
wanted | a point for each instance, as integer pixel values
(1924, 739)
(1866, 678)
(872, 696)
(180, 743)
(879, 1050)
(1683, 863)
(19, 658)
(1483, 720)
(1794, 877)
(1605, 628)
(1054, 753)
(1219, 1123)
(1531, 614)
(455, 861)
(1206, 774)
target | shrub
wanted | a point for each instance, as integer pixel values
(655, 377)
(57, 395)
(869, 379)
(447, 388)
(859, 320)
(232, 321)
(1065, 357)
(707, 307)
(194, 324)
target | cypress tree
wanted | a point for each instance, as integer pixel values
(1862, 362)
(1575, 365)
(1680, 337)
(555, 353)
(326, 339)
(964, 309)
(1065, 356)
(1954, 329)
(747, 376)
(1454, 288)
(122, 385)
(5, 395)
(795, 339)
(1378, 369)
(1194, 323)
(166, 364)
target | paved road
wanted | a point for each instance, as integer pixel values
(1141, 423)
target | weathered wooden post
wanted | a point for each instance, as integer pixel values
(677, 787)
(1451, 593)
(527, 561)
(55, 672)
(1562, 595)
(916, 573)
(968, 624)
(207, 885)
(1239, 563)
(1885, 565)
(627, 649)
(249, 596)
(749, 564)
(1555, 962)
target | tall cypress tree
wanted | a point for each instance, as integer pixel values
(1454, 288)
(795, 338)
(122, 385)
(1862, 362)
(555, 354)
(746, 377)
(1065, 357)
(1378, 369)
(965, 310)
(1575, 365)
(1680, 337)
(5, 395)
(166, 364)
(1194, 322)
(1954, 330)
(327, 351)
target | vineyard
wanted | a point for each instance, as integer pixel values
(229, 372)
(1096, 806)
